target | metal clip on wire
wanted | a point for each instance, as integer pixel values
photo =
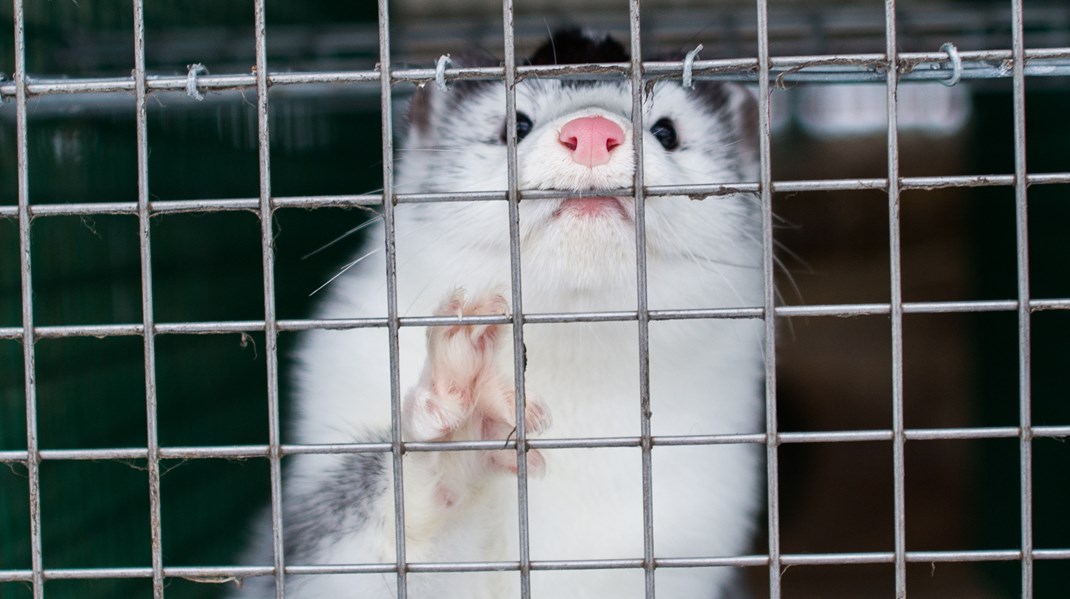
(440, 71)
(956, 64)
(689, 64)
(191, 80)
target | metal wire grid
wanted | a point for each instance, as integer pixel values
(766, 70)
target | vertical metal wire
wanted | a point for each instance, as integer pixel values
(149, 338)
(386, 108)
(896, 304)
(271, 331)
(1024, 328)
(516, 298)
(772, 457)
(33, 457)
(636, 72)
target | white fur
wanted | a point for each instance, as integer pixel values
(705, 375)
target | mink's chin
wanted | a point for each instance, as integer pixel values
(596, 207)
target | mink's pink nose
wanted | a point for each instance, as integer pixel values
(591, 139)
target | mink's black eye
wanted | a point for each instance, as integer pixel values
(665, 132)
(523, 127)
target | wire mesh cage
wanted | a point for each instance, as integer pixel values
(166, 171)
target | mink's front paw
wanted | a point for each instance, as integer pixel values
(463, 393)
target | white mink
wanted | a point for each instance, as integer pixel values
(582, 378)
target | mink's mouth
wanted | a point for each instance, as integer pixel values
(595, 207)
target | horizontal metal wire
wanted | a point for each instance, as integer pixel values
(840, 68)
(375, 200)
(222, 574)
(252, 326)
(243, 452)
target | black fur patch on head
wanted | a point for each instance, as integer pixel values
(573, 46)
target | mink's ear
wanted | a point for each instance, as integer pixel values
(744, 105)
(429, 99)
(734, 104)
(737, 102)
(420, 110)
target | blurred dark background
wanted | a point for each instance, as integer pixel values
(960, 370)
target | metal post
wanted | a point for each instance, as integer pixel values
(33, 458)
(1021, 222)
(147, 318)
(772, 440)
(397, 449)
(896, 304)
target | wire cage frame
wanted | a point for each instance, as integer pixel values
(946, 65)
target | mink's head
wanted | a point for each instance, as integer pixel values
(577, 135)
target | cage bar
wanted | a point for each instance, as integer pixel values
(1021, 221)
(33, 458)
(896, 307)
(796, 311)
(364, 201)
(772, 454)
(516, 297)
(214, 573)
(642, 309)
(271, 333)
(397, 447)
(823, 68)
(240, 452)
(148, 332)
